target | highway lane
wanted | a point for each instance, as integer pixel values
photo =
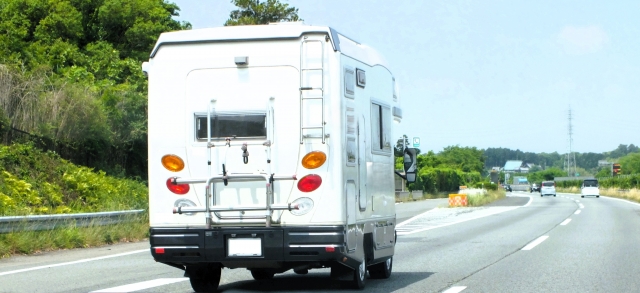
(477, 254)
(596, 251)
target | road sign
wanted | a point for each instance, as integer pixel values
(416, 142)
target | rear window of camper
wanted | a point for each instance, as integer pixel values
(232, 125)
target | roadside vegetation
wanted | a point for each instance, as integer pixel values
(30, 242)
(33, 182)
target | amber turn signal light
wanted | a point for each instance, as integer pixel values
(314, 159)
(172, 163)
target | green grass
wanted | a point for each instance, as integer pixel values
(30, 242)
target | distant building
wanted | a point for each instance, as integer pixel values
(602, 163)
(515, 166)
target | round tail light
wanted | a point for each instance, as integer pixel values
(314, 159)
(177, 188)
(309, 183)
(172, 163)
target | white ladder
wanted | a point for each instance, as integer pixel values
(308, 92)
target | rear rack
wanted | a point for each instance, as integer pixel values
(269, 208)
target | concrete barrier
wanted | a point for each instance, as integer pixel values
(417, 194)
(402, 195)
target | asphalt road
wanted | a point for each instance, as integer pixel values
(513, 245)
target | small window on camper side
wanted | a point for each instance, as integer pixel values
(349, 82)
(238, 125)
(380, 128)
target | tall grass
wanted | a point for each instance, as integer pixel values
(489, 197)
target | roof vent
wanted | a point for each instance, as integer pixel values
(242, 61)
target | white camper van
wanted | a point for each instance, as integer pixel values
(270, 148)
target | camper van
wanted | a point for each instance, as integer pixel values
(270, 149)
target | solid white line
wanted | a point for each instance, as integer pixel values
(141, 285)
(619, 199)
(535, 242)
(565, 222)
(529, 202)
(577, 212)
(73, 262)
(455, 289)
(415, 217)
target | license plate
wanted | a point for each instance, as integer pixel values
(238, 247)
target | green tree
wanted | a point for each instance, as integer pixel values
(253, 12)
(630, 164)
(467, 159)
(73, 70)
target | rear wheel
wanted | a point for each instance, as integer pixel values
(597, 196)
(582, 196)
(359, 276)
(204, 279)
(381, 270)
(261, 274)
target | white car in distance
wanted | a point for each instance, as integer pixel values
(590, 188)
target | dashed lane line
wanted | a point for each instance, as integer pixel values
(455, 289)
(535, 243)
(565, 222)
(577, 212)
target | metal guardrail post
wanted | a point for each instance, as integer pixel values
(50, 222)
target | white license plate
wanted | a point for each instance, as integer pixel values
(244, 247)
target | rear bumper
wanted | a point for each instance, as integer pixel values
(276, 245)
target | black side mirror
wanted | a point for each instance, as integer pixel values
(410, 164)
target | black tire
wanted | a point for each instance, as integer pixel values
(205, 279)
(261, 275)
(582, 196)
(381, 270)
(597, 196)
(541, 195)
(554, 195)
(359, 276)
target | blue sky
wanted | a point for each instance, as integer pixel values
(494, 73)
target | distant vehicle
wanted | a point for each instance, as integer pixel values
(507, 187)
(590, 188)
(547, 188)
(535, 187)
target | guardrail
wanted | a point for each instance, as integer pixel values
(50, 222)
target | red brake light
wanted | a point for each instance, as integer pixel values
(177, 188)
(309, 183)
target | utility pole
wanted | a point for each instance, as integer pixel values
(570, 163)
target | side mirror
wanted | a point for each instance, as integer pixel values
(410, 164)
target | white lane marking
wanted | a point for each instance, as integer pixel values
(406, 222)
(73, 262)
(534, 243)
(577, 200)
(141, 285)
(581, 206)
(455, 289)
(565, 222)
(489, 213)
(619, 199)
(577, 212)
